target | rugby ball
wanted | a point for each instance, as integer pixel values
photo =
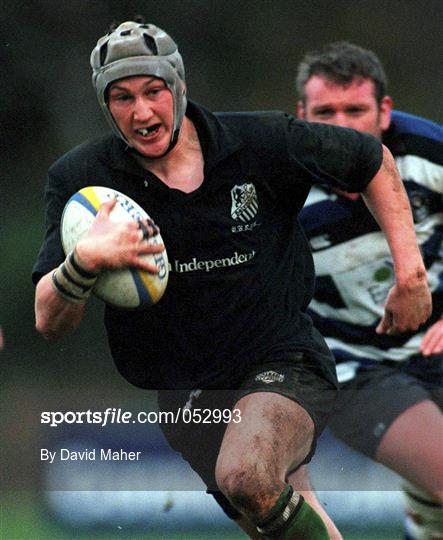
(125, 287)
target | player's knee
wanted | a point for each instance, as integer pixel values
(245, 488)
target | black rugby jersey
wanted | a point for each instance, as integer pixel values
(241, 272)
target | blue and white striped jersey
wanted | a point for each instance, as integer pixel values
(354, 269)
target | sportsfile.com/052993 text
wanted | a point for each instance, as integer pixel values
(113, 415)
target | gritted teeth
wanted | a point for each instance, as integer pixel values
(149, 130)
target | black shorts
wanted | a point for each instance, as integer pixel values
(369, 403)
(307, 378)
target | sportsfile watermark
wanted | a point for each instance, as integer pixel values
(113, 416)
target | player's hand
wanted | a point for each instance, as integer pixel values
(117, 244)
(406, 308)
(432, 343)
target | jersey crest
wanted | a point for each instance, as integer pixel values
(269, 377)
(244, 202)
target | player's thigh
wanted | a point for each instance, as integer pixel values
(274, 430)
(370, 403)
(412, 446)
(284, 405)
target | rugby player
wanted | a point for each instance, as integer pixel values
(390, 406)
(230, 332)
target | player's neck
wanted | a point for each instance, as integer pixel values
(182, 167)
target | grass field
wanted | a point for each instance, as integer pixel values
(25, 520)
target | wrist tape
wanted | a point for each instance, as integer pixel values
(72, 281)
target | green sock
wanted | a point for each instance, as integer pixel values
(302, 523)
(305, 525)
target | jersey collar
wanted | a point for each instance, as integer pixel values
(217, 141)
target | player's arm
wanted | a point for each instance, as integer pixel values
(61, 295)
(409, 301)
(55, 316)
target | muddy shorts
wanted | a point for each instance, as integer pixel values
(306, 378)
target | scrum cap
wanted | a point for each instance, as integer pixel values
(139, 49)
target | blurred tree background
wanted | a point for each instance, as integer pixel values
(238, 55)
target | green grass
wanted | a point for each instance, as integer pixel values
(23, 518)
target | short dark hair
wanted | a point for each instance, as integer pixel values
(341, 62)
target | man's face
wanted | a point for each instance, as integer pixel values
(353, 106)
(143, 109)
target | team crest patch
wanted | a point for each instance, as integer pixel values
(244, 202)
(269, 377)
